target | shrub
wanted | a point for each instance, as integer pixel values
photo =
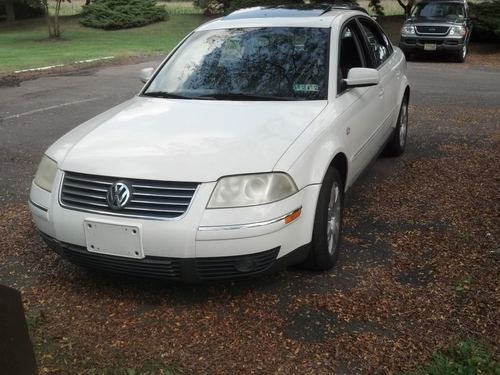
(487, 25)
(121, 14)
(467, 357)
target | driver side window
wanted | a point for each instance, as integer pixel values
(351, 54)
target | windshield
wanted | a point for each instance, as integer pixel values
(272, 63)
(441, 10)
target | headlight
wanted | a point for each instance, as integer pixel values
(457, 30)
(251, 190)
(408, 30)
(46, 173)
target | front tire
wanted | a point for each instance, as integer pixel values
(410, 56)
(397, 144)
(462, 55)
(327, 229)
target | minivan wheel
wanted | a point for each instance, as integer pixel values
(327, 229)
(397, 144)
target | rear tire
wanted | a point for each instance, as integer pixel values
(397, 144)
(327, 231)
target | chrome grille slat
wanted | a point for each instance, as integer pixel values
(90, 181)
(159, 203)
(84, 194)
(150, 199)
(131, 208)
(82, 186)
(84, 201)
(161, 195)
(162, 188)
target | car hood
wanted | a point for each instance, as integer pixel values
(435, 20)
(184, 140)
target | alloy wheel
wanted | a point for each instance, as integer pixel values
(333, 218)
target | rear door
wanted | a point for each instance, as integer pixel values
(383, 58)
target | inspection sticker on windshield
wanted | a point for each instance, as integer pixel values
(303, 87)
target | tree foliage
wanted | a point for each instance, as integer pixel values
(376, 7)
(487, 25)
(19, 10)
(121, 14)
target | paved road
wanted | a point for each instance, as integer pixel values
(36, 113)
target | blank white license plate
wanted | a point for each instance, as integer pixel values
(112, 239)
(430, 46)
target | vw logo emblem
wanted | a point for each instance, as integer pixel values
(118, 195)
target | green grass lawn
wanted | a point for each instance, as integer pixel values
(25, 45)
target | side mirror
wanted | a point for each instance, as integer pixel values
(362, 77)
(146, 74)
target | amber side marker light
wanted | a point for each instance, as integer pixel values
(293, 216)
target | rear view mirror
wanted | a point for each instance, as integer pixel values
(362, 77)
(146, 74)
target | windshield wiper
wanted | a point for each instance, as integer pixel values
(242, 96)
(169, 95)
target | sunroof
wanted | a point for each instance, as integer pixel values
(280, 11)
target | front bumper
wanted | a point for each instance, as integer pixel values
(180, 249)
(443, 44)
(187, 270)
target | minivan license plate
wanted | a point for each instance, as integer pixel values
(113, 239)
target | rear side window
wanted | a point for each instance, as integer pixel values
(378, 44)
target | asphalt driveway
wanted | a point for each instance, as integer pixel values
(419, 268)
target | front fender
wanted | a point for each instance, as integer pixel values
(309, 157)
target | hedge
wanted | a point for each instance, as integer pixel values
(121, 14)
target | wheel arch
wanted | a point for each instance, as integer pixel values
(340, 163)
(406, 94)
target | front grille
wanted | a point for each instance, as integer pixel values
(436, 30)
(232, 267)
(149, 199)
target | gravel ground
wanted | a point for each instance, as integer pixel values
(419, 268)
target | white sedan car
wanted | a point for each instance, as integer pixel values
(234, 158)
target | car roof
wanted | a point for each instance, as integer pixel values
(307, 15)
(303, 10)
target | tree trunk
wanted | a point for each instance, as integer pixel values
(406, 6)
(57, 32)
(9, 10)
(87, 2)
(47, 18)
